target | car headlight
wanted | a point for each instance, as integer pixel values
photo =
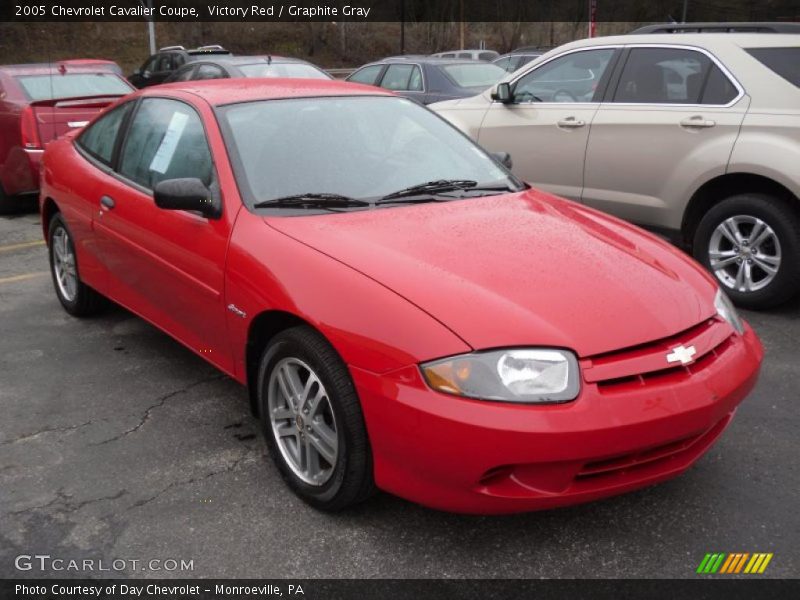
(525, 375)
(727, 311)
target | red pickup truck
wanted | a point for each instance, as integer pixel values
(38, 103)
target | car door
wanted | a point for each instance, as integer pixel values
(405, 80)
(545, 126)
(166, 265)
(670, 121)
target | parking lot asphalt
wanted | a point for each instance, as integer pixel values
(118, 443)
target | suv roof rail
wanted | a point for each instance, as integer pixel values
(723, 27)
(211, 47)
(165, 48)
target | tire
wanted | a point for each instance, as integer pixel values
(342, 481)
(778, 224)
(80, 300)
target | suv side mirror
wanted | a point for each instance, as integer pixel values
(187, 193)
(503, 93)
(504, 158)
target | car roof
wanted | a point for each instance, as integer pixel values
(254, 60)
(427, 60)
(722, 27)
(218, 92)
(77, 65)
(701, 40)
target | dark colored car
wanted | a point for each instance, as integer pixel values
(514, 60)
(744, 27)
(161, 65)
(430, 79)
(39, 102)
(247, 66)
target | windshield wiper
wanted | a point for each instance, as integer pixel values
(431, 187)
(313, 200)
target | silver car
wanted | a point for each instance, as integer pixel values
(694, 135)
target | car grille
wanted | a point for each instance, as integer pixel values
(646, 365)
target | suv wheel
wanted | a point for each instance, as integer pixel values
(751, 243)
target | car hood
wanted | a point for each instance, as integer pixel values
(523, 269)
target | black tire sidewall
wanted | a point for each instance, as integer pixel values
(286, 345)
(783, 221)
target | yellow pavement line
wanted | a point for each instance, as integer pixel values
(12, 247)
(22, 277)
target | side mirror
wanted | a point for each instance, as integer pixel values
(504, 158)
(503, 93)
(188, 193)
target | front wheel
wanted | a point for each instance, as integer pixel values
(312, 420)
(751, 243)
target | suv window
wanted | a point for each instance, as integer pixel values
(367, 75)
(783, 61)
(100, 137)
(718, 88)
(165, 141)
(402, 77)
(570, 78)
(662, 76)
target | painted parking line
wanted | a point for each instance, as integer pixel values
(22, 277)
(20, 246)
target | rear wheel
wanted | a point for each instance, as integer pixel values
(312, 420)
(77, 298)
(751, 243)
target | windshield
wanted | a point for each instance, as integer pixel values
(282, 70)
(475, 75)
(361, 147)
(47, 87)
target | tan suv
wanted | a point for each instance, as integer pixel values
(695, 135)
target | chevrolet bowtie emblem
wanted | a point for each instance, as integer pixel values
(682, 354)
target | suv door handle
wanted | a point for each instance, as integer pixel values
(107, 201)
(697, 121)
(570, 123)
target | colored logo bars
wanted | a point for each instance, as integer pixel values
(741, 562)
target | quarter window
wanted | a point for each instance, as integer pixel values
(208, 72)
(165, 141)
(367, 75)
(783, 61)
(574, 77)
(100, 138)
(402, 78)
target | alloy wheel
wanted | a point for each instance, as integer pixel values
(302, 420)
(64, 264)
(744, 253)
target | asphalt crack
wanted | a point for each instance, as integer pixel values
(158, 404)
(68, 505)
(29, 436)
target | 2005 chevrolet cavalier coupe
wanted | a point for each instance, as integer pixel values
(406, 314)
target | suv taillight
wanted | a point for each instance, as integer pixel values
(29, 130)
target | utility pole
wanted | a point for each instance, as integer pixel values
(151, 26)
(461, 24)
(402, 26)
(685, 7)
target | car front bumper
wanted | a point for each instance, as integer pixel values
(471, 456)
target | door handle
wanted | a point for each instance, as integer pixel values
(570, 123)
(697, 121)
(107, 201)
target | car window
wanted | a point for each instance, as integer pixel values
(464, 55)
(570, 78)
(783, 61)
(397, 77)
(508, 63)
(164, 63)
(477, 75)
(366, 75)
(72, 85)
(718, 88)
(165, 141)
(486, 55)
(276, 69)
(208, 72)
(184, 74)
(150, 65)
(663, 76)
(415, 82)
(100, 137)
(447, 55)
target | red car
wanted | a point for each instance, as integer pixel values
(39, 102)
(405, 313)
